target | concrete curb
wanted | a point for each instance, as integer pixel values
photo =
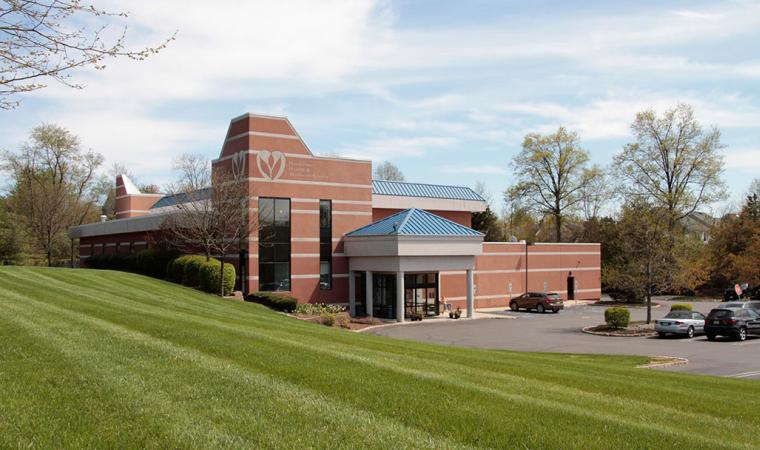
(671, 361)
(588, 330)
(442, 320)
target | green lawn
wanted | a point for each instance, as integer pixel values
(106, 359)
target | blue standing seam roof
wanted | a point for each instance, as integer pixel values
(404, 189)
(414, 222)
(171, 200)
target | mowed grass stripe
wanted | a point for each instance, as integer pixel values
(454, 383)
(284, 399)
(587, 380)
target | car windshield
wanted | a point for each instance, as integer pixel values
(733, 305)
(679, 315)
(721, 313)
(553, 295)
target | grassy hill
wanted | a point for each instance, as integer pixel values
(107, 359)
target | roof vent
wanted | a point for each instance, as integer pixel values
(395, 226)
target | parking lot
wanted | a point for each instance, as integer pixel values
(529, 331)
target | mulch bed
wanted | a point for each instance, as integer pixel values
(633, 330)
(354, 324)
(624, 304)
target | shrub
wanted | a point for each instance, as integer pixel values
(209, 277)
(319, 308)
(344, 321)
(152, 262)
(681, 307)
(327, 319)
(177, 269)
(191, 275)
(617, 317)
(276, 301)
(117, 261)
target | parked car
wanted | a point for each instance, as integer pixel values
(734, 322)
(754, 304)
(687, 323)
(539, 301)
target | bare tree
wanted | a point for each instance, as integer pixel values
(43, 40)
(213, 218)
(674, 162)
(53, 184)
(550, 173)
(387, 171)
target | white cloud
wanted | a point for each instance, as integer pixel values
(389, 148)
(743, 160)
(475, 169)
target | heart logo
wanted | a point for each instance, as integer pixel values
(238, 164)
(271, 164)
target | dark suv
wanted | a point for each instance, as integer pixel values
(539, 301)
(733, 322)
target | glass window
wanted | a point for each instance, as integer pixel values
(325, 244)
(274, 244)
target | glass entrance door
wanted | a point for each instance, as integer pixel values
(384, 295)
(421, 294)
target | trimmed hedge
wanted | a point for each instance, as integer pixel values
(192, 275)
(186, 269)
(617, 317)
(681, 307)
(209, 277)
(118, 261)
(153, 263)
(279, 302)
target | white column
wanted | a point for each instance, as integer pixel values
(368, 294)
(470, 294)
(400, 296)
(351, 293)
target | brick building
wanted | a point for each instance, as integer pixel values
(332, 234)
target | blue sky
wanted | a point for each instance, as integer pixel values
(445, 90)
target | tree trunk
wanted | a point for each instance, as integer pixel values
(649, 292)
(221, 277)
(49, 258)
(558, 227)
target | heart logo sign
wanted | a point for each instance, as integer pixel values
(238, 164)
(271, 164)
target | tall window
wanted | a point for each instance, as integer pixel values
(274, 244)
(325, 244)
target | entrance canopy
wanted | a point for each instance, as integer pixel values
(412, 240)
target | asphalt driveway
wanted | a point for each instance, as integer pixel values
(561, 333)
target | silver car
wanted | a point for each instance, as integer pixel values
(686, 323)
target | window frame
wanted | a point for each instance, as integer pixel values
(270, 233)
(325, 240)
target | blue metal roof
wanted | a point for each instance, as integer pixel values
(171, 200)
(404, 189)
(414, 222)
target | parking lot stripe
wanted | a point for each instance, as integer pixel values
(745, 374)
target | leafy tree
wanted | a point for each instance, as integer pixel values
(53, 185)
(733, 249)
(551, 172)
(644, 266)
(43, 40)
(10, 242)
(673, 161)
(487, 223)
(388, 171)
(596, 193)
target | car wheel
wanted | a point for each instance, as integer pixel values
(690, 332)
(513, 306)
(710, 337)
(661, 334)
(540, 309)
(742, 336)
